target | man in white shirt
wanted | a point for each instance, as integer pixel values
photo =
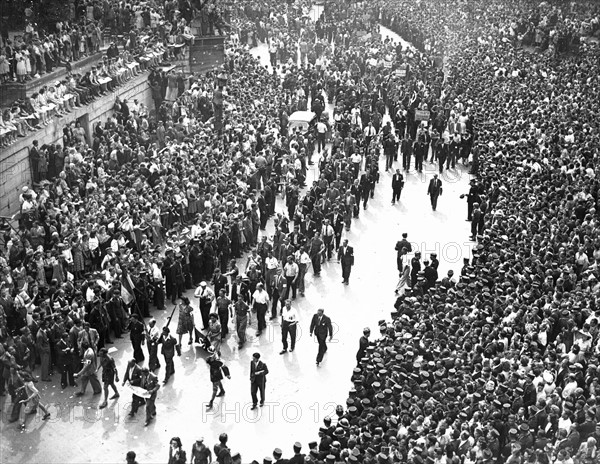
(328, 233)
(321, 131)
(369, 133)
(288, 326)
(260, 302)
(271, 266)
(205, 296)
(290, 272)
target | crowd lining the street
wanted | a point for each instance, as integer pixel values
(497, 364)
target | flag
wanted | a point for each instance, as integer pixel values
(127, 288)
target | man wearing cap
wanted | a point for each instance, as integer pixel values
(201, 453)
(258, 379)
(321, 326)
(298, 457)
(277, 457)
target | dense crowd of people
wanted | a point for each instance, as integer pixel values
(129, 32)
(497, 364)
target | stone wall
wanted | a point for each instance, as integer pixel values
(14, 160)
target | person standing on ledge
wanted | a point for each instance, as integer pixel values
(346, 257)
(321, 326)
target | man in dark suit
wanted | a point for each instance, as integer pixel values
(434, 190)
(337, 221)
(404, 243)
(442, 150)
(346, 257)
(258, 379)
(321, 327)
(149, 382)
(239, 287)
(298, 457)
(406, 148)
(363, 344)
(278, 286)
(169, 347)
(397, 186)
(133, 375)
(219, 282)
(415, 268)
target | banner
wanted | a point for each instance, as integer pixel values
(422, 115)
(127, 288)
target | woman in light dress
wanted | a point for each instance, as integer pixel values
(21, 67)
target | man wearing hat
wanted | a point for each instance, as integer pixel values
(201, 453)
(277, 456)
(258, 379)
(298, 457)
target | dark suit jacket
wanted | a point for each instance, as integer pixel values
(243, 290)
(346, 258)
(135, 376)
(261, 366)
(280, 286)
(337, 223)
(435, 187)
(397, 182)
(323, 328)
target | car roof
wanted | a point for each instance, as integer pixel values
(305, 116)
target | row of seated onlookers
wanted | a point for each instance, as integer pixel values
(58, 99)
